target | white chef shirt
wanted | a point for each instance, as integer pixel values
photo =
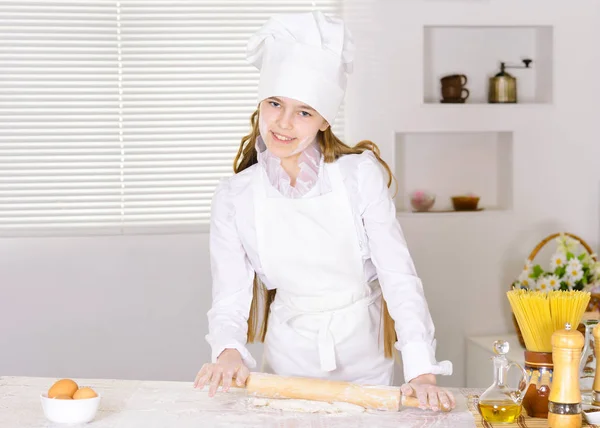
(234, 259)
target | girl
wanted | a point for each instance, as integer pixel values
(306, 253)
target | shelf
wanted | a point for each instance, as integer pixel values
(477, 117)
(499, 108)
(454, 163)
(473, 117)
(476, 51)
(450, 213)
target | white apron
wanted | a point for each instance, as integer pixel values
(326, 319)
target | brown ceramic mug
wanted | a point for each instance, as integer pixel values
(454, 80)
(453, 88)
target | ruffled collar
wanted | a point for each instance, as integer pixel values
(309, 162)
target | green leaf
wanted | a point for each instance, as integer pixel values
(537, 271)
(570, 255)
(581, 256)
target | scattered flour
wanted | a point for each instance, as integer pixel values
(305, 406)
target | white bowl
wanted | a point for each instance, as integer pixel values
(591, 417)
(422, 200)
(70, 411)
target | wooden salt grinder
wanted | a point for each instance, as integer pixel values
(596, 387)
(564, 402)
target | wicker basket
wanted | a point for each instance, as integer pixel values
(594, 304)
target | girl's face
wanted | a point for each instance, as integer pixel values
(287, 126)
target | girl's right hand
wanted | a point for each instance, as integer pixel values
(229, 365)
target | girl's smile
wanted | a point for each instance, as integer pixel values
(282, 139)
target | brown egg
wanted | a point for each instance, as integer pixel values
(85, 392)
(63, 387)
(63, 397)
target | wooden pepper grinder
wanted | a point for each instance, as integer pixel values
(564, 402)
(596, 386)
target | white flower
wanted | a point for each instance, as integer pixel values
(526, 281)
(528, 267)
(574, 270)
(577, 277)
(553, 282)
(588, 259)
(543, 284)
(570, 282)
(558, 259)
(596, 269)
(566, 244)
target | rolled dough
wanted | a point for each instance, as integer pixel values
(305, 406)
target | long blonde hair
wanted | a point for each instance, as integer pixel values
(332, 148)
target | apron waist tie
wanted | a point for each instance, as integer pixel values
(326, 346)
(325, 341)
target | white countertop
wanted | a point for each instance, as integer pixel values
(150, 404)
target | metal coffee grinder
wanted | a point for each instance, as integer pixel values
(503, 86)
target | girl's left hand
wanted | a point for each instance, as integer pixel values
(429, 394)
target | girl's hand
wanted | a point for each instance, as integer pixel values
(229, 365)
(429, 394)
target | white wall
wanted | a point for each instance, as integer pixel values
(135, 307)
(467, 261)
(130, 307)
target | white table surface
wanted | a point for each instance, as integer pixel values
(150, 404)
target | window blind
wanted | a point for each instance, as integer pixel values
(121, 117)
(60, 154)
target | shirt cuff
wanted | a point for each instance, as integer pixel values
(246, 356)
(419, 358)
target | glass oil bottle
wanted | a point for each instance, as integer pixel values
(500, 403)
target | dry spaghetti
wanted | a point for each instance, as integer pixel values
(540, 313)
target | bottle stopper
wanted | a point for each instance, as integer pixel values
(501, 347)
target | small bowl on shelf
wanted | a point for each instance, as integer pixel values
(591, 414)
(465, 203)
(421, 200)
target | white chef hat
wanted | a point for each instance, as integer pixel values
(304, 56)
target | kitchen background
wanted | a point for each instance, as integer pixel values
(133, 305)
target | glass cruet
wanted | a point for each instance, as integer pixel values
(500, 402)
(587, 364)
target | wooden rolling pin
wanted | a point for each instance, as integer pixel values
(372, 397)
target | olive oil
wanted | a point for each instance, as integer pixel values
(500, 411)
(500, 403)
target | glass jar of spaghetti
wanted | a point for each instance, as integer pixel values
(539, 368)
